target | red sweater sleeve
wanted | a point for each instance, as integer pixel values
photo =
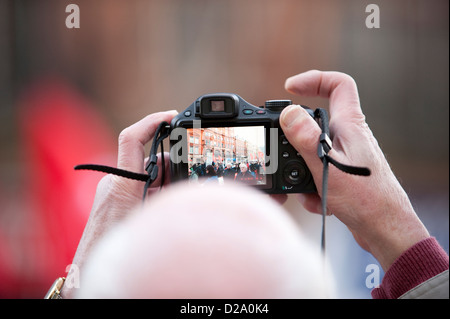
(419, 263)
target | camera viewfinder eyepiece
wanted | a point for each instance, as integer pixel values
(223, 105)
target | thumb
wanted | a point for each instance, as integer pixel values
(302, 132)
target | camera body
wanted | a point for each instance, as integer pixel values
(221, 137)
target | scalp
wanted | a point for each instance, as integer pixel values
(215, 242)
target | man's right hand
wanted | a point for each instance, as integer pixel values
(376, 209)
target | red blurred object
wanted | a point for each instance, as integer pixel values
(8, 277)
(59, 129)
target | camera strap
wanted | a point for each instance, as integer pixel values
(324, 147)
(151, 167)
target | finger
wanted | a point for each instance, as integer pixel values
(339, 88)
(303, 133)
(312, 203)
(279, 198)
(133, 139)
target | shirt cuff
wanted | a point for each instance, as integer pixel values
(419, 263)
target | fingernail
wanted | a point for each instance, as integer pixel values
(290, 115)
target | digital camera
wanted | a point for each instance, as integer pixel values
(221, 138)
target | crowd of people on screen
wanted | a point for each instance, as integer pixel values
(217, 172)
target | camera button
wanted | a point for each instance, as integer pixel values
(285, 154)
(284, 140)
(294, 173)
(187, 113)
(247, 112)
(260, 112)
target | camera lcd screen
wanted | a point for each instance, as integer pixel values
(227, 154)
(218, 106)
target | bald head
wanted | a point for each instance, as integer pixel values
(211, 242)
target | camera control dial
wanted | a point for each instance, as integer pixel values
(277, 105)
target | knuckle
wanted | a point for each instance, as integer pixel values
(344, 77)
(124, 136)
(348, 78)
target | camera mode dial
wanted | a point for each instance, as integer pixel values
(277, 105)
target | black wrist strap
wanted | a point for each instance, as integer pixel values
(324, 147)
(161, 133)
(113, 170)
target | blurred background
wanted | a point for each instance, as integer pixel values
(65, 94)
